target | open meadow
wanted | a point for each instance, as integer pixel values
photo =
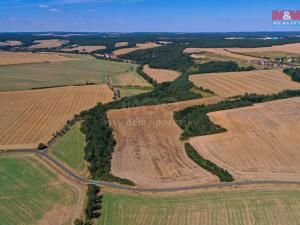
(30, 193)
(148, 149)
(261, 142)
(84, 48)
(68, 69)
(30, 117)
(238, 83)
(70, 149)
(247, 207)
(161, 75)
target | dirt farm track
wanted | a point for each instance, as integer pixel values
(28, 118)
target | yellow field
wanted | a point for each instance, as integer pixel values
(85, 48)
(121, 44)
(148, 149)
(262, 141)
(10, 43)
(289, 48)
(161, 75)
(52, 43)
(124, 51)
(219, 51)
(30, 117)
(11, 58)
(238, 83)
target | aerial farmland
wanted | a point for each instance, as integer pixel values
(148, 128)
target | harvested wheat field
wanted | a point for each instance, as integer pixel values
(288, 48)
(139, 46)
(262, 141)
(12, 58)
(10, 43)
(148, 149)
(85, 48)
(52, 43)
(30, 117)
(219, 51)
(238, 207)
(161, 75)
(238, 83)
(121, 44)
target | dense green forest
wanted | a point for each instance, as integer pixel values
(294, 73)
(224, 175)
(172, 57)
(195, 122)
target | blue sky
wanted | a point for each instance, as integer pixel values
(142, 15)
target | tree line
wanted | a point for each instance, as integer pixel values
(194, 120)
(223, 175)
(294, 73)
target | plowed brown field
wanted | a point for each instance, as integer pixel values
(30, 117)
(148, 149)
(238, 83)
(262, 141)
(161, 75)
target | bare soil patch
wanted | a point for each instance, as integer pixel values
(148, 149)
(161, 75)
(238, 83)
(30, 117)
(261, 143)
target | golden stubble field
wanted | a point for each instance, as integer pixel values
(52, 43)
(238, 83)
(139, 46)
(161, 75)
(219, 51)
(148, 149)
(262, 142)
(30, 117)
(90, 48)
(12, 58)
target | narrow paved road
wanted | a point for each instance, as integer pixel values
(82, 180)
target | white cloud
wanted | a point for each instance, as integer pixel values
(44, 6)
(53, 10)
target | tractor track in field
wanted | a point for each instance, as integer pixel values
(71, 175)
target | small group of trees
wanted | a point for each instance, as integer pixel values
(93, 206)
(220, 66)
(294, 73)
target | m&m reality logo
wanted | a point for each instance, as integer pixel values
(286, 17)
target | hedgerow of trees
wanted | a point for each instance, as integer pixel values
(194, 121)
(224, 175)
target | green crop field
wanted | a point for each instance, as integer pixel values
(87, 69)
(28, 191)
(258, 207)
(130, 91)
(70, 149)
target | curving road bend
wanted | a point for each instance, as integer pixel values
(85, 181)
